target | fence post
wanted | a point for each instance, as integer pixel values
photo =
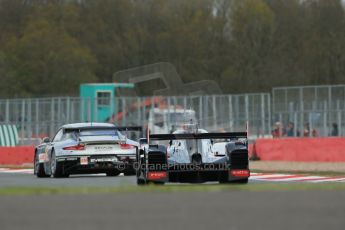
(301, 110)
(230, 113)
(310, 121)
(29, 120)
(200, 112)
(263, 115)
(68, 107)
(214, 112)
(37, 113)
(247, 110)
(22, 123)
(269, 110)
(7, 113)
(325, 131)
(51, 131)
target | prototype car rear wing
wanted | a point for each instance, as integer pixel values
(189, 136)
(130, 128)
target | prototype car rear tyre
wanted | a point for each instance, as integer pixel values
(141, 181)
(113, 173)
(39, 168)
(242, 181)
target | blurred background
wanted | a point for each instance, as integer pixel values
(278, 65)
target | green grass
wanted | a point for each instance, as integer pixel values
(15, 191)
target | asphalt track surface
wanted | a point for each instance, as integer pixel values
(180, 210)
(29, 180)
(166, 210)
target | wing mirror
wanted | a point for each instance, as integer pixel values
(46, 140)
(170, 142)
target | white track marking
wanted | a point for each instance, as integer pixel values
(267, 177)
(294, 178)
(20, 171)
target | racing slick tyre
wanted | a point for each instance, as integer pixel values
(56, 167)
(243, 181)
(113, 173)
(158, 183)
(129, 173)
(39, 168)
(141, 181)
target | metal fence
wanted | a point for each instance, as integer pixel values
(36, 118)
(322, 107)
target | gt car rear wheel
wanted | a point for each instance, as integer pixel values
(55, 167)
(39, 168)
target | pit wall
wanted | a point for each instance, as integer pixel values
(326, 149)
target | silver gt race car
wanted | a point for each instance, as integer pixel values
(84, 148)
(193, 157)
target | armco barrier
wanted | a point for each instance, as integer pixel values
(16, 155)
(327, 149)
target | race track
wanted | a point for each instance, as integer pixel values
(267, 210)
(317, 210)
(25, 177)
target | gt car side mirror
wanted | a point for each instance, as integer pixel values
(46, 140)
(170, 142)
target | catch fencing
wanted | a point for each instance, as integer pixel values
(322, 107)
(36, 118)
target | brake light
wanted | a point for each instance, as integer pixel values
(156, 175)
(240, 172)
(126, 146)
(75, 147)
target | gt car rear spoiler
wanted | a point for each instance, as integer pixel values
(118, 128)
(189, 136)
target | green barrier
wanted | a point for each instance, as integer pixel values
(8, 135)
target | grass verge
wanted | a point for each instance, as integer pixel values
(17, 191)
